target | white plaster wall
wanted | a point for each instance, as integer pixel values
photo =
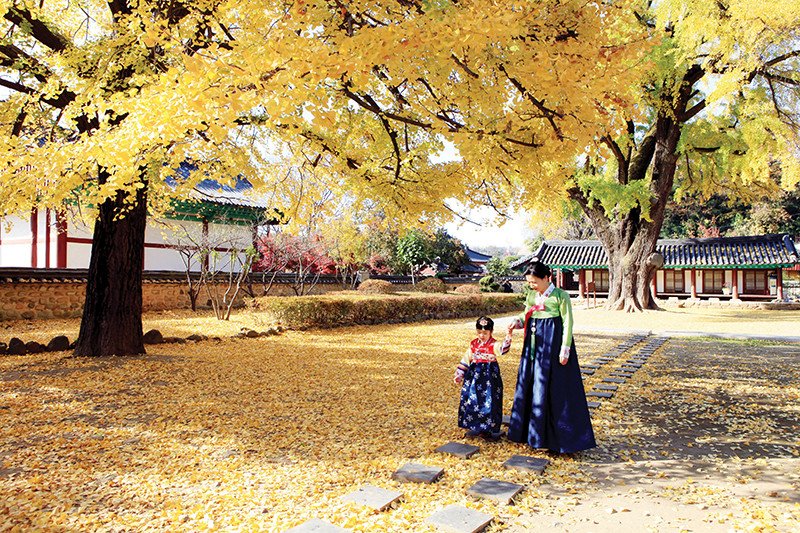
(15, 254)
(163, 259)
(78, 255)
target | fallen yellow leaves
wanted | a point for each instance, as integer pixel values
(264, 434)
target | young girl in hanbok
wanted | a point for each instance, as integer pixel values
(481, 409)
(550, 409)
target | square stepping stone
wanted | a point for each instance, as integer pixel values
(614, 380)
(604, 386)
(525, 463)
(599, 394)
(315, 525)
(493, 489)
(587, 371)
(506, 420)
(417, 473)
(633, 363)
(621, 374)
(373, 497)
(463, 451)
(593, 367)
(593, 405)
(606, 359)
(459, 519)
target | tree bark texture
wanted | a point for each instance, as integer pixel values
(629, 239)
(112, 311)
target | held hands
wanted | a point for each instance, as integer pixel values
(564, 357)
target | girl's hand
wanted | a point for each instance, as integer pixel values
(511, 329)
(564, 357)
(458, 377)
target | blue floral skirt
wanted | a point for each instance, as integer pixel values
(481, 408)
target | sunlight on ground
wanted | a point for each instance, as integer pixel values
(263, 434)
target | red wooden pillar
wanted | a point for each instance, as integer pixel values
(693, 281)
(34, 237)
(779, 282)
(582, 283)
(205, 242)
(61, 240)
(735, 284)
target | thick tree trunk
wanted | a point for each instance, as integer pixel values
(112, 311)
(629, 239)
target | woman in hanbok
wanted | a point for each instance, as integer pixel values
(549, 409)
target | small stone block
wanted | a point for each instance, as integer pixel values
(614, 380)
(598, 394)
(506, 420)
(606, 359)
(593, 405)
(315, 525)
(417, 473)
(526, 463)
(463, 451)
(603, 386)
(374, 497)
(459, 519)
(587, 371)
(593, 367)
(493, 489)
(633, 363)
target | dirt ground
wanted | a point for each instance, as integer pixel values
(264, 434)
(707, 439)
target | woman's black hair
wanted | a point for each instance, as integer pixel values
(538, 269)
(484, 322)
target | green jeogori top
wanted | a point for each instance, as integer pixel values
(556, 304)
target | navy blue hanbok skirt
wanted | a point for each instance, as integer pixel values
(481, 407)
(549, 409)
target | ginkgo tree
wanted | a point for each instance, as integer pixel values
(105, 99)
(721, 102)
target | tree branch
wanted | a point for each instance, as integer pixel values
(22, 18)
(539, 104)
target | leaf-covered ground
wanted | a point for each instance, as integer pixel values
(263, 434)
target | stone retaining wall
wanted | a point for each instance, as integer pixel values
(64, 299)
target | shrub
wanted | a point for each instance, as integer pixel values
(488, 284)
(431, 285)
(376, 286)
(468, 289)
(325, 311)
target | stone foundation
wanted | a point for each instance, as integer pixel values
(64, 299)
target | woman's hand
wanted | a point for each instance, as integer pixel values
(564, 357)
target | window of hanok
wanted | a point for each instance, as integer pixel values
(673, 281)
(600, 278)
(755, 281)
(713, 281)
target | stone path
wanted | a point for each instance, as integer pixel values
(460, 519)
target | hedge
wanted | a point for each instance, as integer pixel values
(329, 311)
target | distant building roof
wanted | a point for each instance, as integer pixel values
(757, 251)
(476, 257)
(212, 199)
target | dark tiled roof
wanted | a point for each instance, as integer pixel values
(477, 256)
(758, 251)
(208, 190)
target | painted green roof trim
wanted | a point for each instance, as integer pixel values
(211, 211)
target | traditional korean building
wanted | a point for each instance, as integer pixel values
(215, 213)
(729, 267)
(477, 261)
